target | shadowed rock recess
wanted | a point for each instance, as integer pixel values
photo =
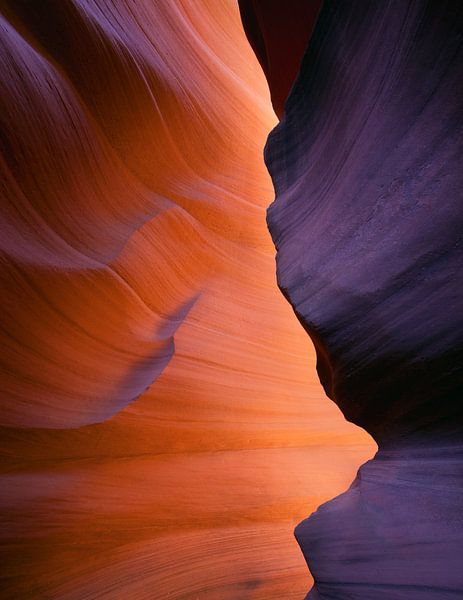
(368, 222)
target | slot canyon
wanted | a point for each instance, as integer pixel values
(174, 404)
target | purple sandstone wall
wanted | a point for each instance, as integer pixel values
(368, 223)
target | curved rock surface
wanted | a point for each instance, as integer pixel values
(368, 224)
(162, 430)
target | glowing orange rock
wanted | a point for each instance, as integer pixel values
(162, 423)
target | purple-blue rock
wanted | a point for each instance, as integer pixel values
(368, 225)
(396, 534)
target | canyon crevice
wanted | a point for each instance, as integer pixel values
(162, 424)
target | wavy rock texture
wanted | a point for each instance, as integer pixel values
(368, 225)
(161, 427)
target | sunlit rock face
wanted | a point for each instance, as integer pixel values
(162, 428)
(368, 224)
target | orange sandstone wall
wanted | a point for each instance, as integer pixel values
(163, 428)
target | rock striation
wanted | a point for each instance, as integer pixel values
(368, 223)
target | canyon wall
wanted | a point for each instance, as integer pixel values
(368, 226)
(162, 426)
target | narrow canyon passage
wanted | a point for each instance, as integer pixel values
(163, 426)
